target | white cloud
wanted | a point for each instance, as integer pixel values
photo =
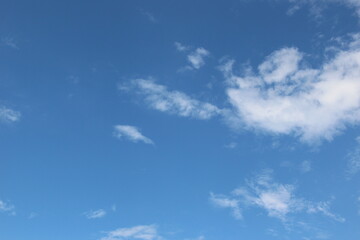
(278, 200)
(226, 202)
(131, 133)
(354, 159)
(286, 97)
(7, 208)
(181, 47)
(174, 102)
(196, 58)
(9, 115)
(95, 214)
(141, 232)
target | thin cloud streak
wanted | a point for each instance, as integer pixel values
(130, 133)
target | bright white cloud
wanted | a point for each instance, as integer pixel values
(174, 102)
(9, 115)
(278, 200)
(130, 133)
(285, 97)
(141, 232)
(95, 214)
(7, 208)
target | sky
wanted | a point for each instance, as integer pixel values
(180, 120)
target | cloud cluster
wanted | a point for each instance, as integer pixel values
(276, 199)
(130, 133)
(141, 232)
(284, 96)
(174, 102)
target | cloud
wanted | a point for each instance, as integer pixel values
(353, 158)
(180, 47)
(141, 232)
(226, 202)
(317, 6)
(130, 133)
(9, 115)
(33, 215)
(160, 98)
(7, 208)
(149, 16)
(95, 214)
(305, 166)
(284, 96)
(196, 58)
(276, 199)
(9, 42)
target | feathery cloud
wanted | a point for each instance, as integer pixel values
(160, 98)
(95, 214)
(7, 208)
(278, 200)
(353, 166)
(9, 42)
(130, 133)
(9, 115)
(317, 6)
(141, 232)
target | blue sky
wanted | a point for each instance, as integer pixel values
(180, 120)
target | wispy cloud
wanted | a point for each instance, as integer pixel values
(305, 166)
(278, 200)
(160, 98)
(141, 232)
(196, 58)
(33, 215)
(317, 6)
(227, 202)
(9, 115)
(285, 97)
(93, 214)
(9, 42)
(181, 47)
(353, 157)
(149, 16)
(7, 208)
(130, 133)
